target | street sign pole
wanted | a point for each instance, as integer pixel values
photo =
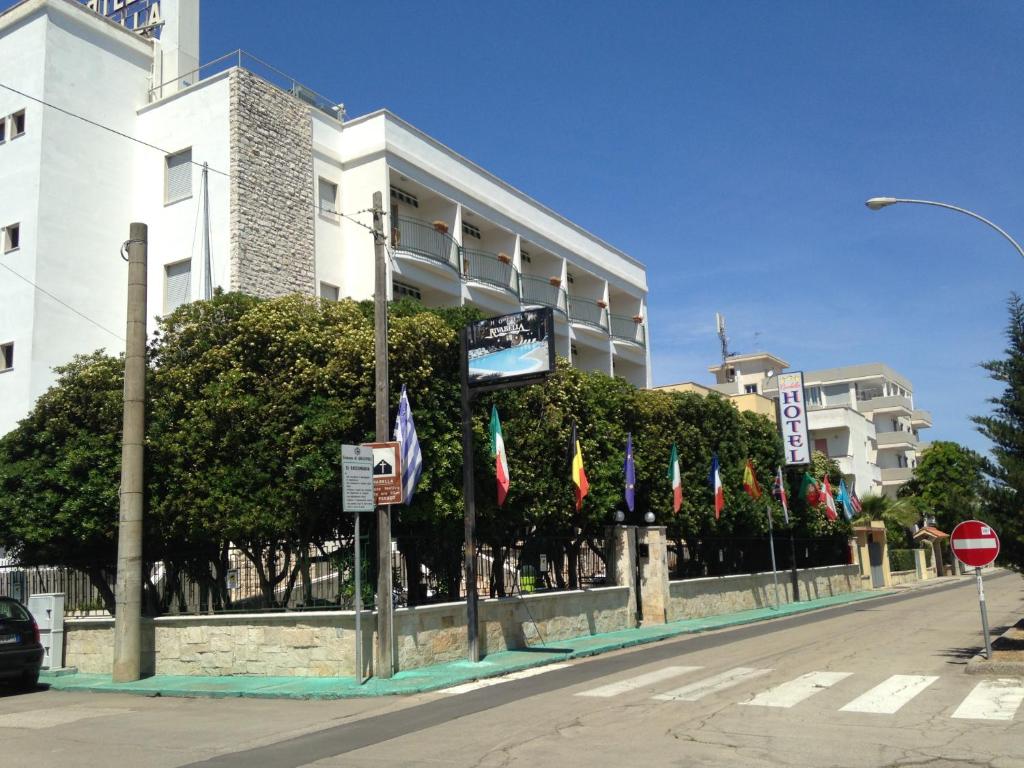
(984, 614)
(359, 606)
(771, 543)
(357, 489)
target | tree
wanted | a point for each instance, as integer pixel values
(1004, 500)
(949, 482)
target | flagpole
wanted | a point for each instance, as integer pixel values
(771, 543)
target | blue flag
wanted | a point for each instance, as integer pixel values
(844, 498)
(630, 471)
(412, 458)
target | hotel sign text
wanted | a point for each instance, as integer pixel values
(142, 16)
(793, 418)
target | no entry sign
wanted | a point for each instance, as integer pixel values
(974, 543)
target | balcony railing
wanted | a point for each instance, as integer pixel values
(421, 239)
(588, 312)
(921, 418)
(894, 439)
(487, 268)
(539, 290)
(892, 475)
(627, 329)
(892, 402)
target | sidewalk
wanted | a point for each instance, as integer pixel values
(436, 677)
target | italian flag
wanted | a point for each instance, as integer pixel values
(677, 480)
(500, 460)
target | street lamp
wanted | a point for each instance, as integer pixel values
(878, 203)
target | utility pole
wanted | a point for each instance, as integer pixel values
(128, 619)
(385, 639)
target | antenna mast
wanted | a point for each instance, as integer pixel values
(720, 326)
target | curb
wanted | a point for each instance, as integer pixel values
(979, 665)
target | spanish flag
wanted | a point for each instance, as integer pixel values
(750, 481)
(579, 475)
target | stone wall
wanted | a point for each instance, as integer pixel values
(322, 643)
(272, 197)
(694, 598)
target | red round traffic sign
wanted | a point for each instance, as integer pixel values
(974, 543)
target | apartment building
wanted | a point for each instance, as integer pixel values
(863, 416)
(250, 181)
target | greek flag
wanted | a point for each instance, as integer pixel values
(412, 458)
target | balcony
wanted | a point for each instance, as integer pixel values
(419, 238)
(487, 268)
(896, 475)
(539, 290)
(896, 439)
(627, 329)
(587, 312)
(892, 403)
(921, 419)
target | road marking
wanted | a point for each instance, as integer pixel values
(632, 683)
(489, 681)
(795, 691)
(992, 700)
(887, 697)
(713, 684)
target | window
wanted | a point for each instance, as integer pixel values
(328, 193)
(328, 292)
(813, 396)
(178, 176)
(404, 291)
(404, 197)
(821, 445)
(12, 237)
(3, 131)
(18, 124)
(525, 256)
(177, 285)
(471, 230)
(6, 356)
(750, 389)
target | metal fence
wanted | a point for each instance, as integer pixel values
(320, 578)
(695, 558)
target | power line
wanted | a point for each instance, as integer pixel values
(116, 132)
(62, 303)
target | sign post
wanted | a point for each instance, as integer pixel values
(497, 353)
(975, 544)
(357, 496)
(793, 424)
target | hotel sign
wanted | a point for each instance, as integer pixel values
(142, 16)
(793, 418)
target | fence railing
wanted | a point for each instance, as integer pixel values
(540, 290)
(488, 268)
(696, 558)
(422, 239)
(588, 312)
(627, 329)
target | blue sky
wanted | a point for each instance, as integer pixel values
(730, 147)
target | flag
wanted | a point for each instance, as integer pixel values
(830, 502)
(779, 492)
(500, 460)
(676, 479)
(715, 481)
(750, 482)
(810, 491)
(630, 471)
(855, 502)
(843, 497)
(579, 475)
(412, 458)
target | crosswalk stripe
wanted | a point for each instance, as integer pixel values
(632, 683)
(719, 682)
(992, 700)
(489, 681)
(887, 697)
(793, 692)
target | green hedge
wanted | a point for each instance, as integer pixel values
(903, 559)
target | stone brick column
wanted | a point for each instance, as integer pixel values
(621, 549)
(654, 590)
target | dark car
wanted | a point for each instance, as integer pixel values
(21, 653)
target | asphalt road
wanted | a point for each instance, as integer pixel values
(878, 683)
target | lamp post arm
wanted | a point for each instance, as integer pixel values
(972, 214)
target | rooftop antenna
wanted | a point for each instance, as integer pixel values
(720, 326)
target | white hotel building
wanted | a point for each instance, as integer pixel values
(863, 416)
(289, 183)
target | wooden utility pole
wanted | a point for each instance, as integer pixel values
(385, 638)
(128, 619)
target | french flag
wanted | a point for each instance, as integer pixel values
(715, 481)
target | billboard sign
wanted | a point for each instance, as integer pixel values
(793, 418)
(511, 348)
(387, 472)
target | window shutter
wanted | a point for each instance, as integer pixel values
(328, 196)
(179, 176)
(178, 285)
(328, 292)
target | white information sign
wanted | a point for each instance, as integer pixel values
(356, 478)
(793, 418)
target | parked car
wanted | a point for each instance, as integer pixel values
(21, 653)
